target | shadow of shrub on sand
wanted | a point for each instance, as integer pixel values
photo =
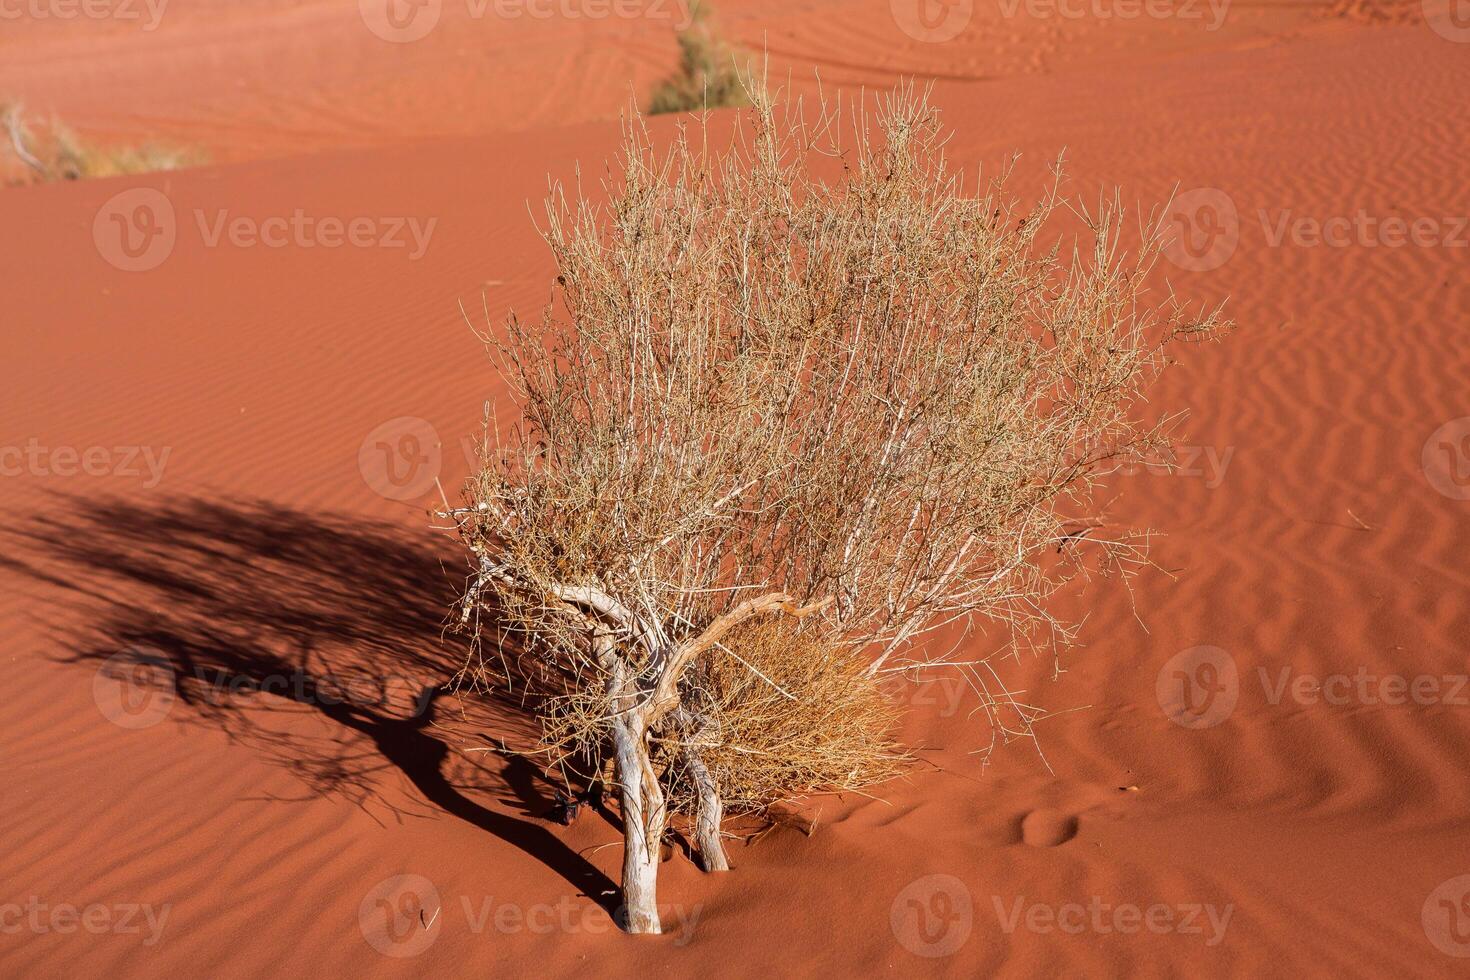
(314, 639)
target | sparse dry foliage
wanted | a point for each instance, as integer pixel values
(52, 151)
(797, 404)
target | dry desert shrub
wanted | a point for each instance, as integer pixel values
(797, 404)
(52, 151)
(707, 77)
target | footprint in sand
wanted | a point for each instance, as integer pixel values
(1048, 828)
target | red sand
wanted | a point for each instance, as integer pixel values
(224, 399)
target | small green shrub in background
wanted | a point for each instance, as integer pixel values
(708, 75)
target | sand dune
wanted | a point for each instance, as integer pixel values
(267, 422)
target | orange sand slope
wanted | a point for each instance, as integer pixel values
(274, 77)
(218, 453)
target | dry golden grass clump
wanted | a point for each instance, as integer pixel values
(707, 77)
(788, 712)
(52, 152)
(796, 405)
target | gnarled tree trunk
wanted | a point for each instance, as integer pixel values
(643, 828)
(693, 731)
(709, 816)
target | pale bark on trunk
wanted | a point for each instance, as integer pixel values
(644, 808)
(711, 814)
(643, 830)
